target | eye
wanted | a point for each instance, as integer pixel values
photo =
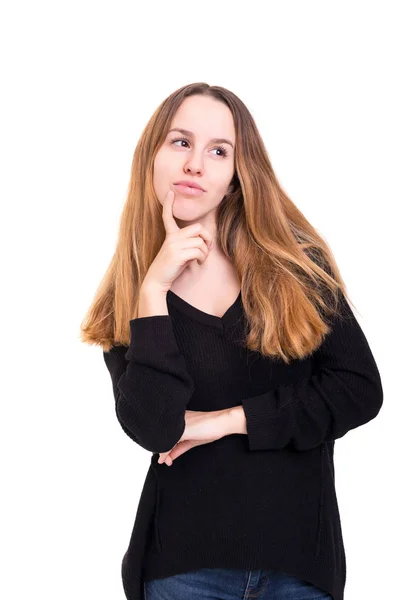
(220, 148)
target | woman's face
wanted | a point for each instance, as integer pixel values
(196, 157)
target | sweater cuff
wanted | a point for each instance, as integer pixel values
(268, 428)
(151, 336)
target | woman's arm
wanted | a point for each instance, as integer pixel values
(151, 384)
(344, 392)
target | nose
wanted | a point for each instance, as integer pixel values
(191, 167)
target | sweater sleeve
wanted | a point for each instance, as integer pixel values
(343, 392)
(151, 384)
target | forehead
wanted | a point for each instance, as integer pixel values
(206, 118)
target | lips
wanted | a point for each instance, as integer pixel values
(188, 183)
(185, 190)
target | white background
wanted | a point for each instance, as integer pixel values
(79, 82)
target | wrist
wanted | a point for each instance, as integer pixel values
(152, 301)
(151, 287)
(236, 420)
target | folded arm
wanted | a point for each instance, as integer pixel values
(344, 392)
(151, 384)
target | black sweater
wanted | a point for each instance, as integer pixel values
(265, 500)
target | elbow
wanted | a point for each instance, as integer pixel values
(376, 400)
(154, 435)
(376, 390)
(372, 398)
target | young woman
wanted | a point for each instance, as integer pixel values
(235, 359)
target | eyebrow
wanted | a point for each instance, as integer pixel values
(190, 134)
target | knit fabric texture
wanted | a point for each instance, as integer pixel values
(264, 500)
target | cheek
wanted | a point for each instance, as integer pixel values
(160, 169)
(221, 184)
(163, 164)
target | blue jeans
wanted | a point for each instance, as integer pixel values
(232, 584)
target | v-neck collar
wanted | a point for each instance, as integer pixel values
(228, 318)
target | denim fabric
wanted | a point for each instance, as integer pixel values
(232, 584)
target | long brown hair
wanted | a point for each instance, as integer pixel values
(289, 277)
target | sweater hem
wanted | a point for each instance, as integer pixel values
(272, 557)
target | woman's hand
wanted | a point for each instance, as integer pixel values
(201, 428)
(181, 247)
